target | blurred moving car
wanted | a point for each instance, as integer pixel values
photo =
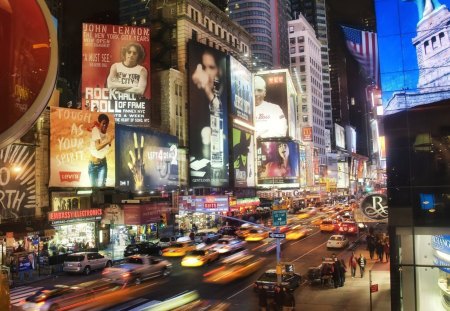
(145, 248)
(228, 245)
(138, 268)
(337, 241)
(348, 227)
(199, 257)
(207, 237)
(244, 229)
(328, 225)
(166, 241)
(307, 212)
(85, 262)
(268, 280)
(318, 221)
(179, 249)
(227, 230)
(256, 235)
(297, 232)
(234, 267)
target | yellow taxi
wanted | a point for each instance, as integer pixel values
(234, 269)
(303, 215)
(328, 225)
(256, 235)
(297, 233)
(199, 257)
(317, 221)
(178, 249)
(244, 230)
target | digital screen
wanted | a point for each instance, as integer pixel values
(415, 32)
(116, 72)
(146, 160)
(81, 148)
(243, 158)
(277, 162)
(241, 91)
(208, 121)
(339, 132)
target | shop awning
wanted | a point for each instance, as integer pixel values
(20, 229)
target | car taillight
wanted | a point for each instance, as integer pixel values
(125, 275)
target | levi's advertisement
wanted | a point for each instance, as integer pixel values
(116, 72)
(81, 148)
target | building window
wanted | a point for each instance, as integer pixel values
(300, 39)
(207, 41)
(291, 29)
(304, 108)
(292, 40)
(293, 50)
(301, 49)
(236, 42)
(194, 35)
(196, 16)
(214, 28)
(207, 23)
(302, 68)
(305, 118)
(293, 59)
(214, 45)
(192, 13)
(219, 31)
(224, 34)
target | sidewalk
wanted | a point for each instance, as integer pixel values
(354, 295)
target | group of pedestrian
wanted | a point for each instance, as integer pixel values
(283, 299)
(339, 270)
(380, 245)
(355, 261)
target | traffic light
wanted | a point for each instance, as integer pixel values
(163, 220)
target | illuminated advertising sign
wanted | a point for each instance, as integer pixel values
(208, 121)
(339, 133)
(75, 216)
(65, 203)
(116, 72)
(307, 135)
(302, 157)
(375, 207)
(415, 32)
(146, 159)
(211, 203)
(271, 104)
(241, 91)
(350, 138)
(374, 133)
(342, 175)
(277, 162)
(243, 158)
(29, 63)
(81, 148)
(17, 182)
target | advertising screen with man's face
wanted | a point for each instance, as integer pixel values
(208, 116)
(116, 72)
(81, 148)
(414, 31)
(241, 91)
(271, 105)
(243, 158)
(277, 163)
(146, 160)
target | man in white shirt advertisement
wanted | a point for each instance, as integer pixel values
(270, 119)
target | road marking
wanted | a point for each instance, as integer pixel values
(311, 250)
(17, 294)
(304, 238)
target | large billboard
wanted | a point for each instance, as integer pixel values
(277, 163)
(241, 91)
(414, 31)
(17, 182)
(146, 160)
(271, 104)
(81, 148)
(339, 133)
(208, 120)
(116, 72)
(243, 158)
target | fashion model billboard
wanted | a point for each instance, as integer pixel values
(271, 104)
(414, 31)
(116, 72)
(146, 160)
(241, 91)
(243, 158)
(208, 120)
(278, 162)
(17, 182)
(339, 133)
(81, 148)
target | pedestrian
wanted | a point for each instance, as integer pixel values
(387, 249)
(370, 239)
(192, 235)
(362, 264)
(380, 249)
(262, 298)
(278, 298)
(343, 271)
(352, 262)
(337, 277)
(289, 300)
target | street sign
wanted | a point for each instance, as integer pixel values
(374, 288)
(275, 235)
(279, 218)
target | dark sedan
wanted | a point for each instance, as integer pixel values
(269, 279)
(145, 248)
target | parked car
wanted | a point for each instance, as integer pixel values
(85, 262)
(228, 245)
(337, 241)
(268, 280)
(145, 248)
(138, 268)
(166, 241)
(207, 237)
(199, 257)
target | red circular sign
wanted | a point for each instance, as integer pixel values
(28, 61)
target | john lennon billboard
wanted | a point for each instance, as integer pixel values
(414, 31)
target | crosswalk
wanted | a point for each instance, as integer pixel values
(17, 294)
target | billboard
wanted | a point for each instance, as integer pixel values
(243, 158)
(81, 148)
(277, 163)
(307, 134)
(415, 31)
(146, 160)
(339, 133)
(116, 72)
(350, 138)
(17, 182)
(241, 91)
(271, 104)
(208, 121)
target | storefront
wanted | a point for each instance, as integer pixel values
(244, 206)
(203, 211)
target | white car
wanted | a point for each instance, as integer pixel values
(337, 241)
(228, 245)
(85, 262)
